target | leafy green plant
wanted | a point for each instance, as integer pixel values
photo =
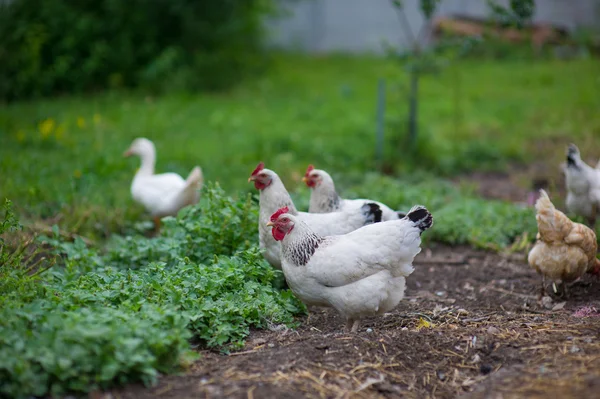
(493, 225)
(219, 226)
(126, 313)
(46, 349)
(21, 262)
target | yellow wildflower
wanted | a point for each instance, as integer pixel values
(46, 127)
(80, 122)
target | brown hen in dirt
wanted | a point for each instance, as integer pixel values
(564, 250)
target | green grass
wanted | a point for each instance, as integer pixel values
(306, 110)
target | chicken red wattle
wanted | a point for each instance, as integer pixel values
(281, 227)
(310, 182)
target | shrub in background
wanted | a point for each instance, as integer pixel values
(56, 46)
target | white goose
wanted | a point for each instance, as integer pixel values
(164, 194)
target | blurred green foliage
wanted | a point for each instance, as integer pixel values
(62, 158)
(55, 46)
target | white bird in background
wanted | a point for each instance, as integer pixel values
(163, 194)
(583, 186)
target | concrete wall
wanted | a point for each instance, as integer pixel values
(364, 25)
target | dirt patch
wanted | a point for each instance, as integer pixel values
(470, 324)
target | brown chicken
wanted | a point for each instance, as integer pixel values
(564, 250)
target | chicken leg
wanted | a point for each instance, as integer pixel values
(564, 290)
(543, 289)
(156, 225)
(352, 325)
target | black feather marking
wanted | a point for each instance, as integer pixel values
(301, 252)
(572, 153)
(401, 214)
(334, 202)
(421, 217)
(572, 162)
(372, 213)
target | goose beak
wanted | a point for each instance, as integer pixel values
(269, 224)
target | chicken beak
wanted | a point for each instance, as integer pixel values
(251, 178)
(304, 179)
(269, 224)
(127, 153)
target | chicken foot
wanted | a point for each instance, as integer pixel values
(352, 325)
(564, 290)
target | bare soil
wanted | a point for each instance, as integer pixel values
(471, 326)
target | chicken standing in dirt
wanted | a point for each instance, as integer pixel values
(564, 250)
(273, 195)
(361, 273)
(324, 198)
(583, 186)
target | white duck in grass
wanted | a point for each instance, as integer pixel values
(163, 194)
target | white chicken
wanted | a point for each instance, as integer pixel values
(324, 198)
(359, 274)
(583, 186)
(273, 195)
(163, 194)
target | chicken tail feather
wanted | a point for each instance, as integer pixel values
(195, 177)
(372, 213)
(553, 225)
(421, 217)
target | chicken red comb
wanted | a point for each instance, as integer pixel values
(308, 170)
(280, 212)
(260, 167)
